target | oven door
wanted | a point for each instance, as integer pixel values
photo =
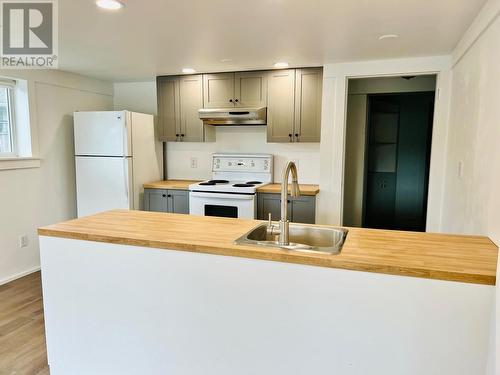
(241, 206)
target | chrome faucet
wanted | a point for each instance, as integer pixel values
(284, 237)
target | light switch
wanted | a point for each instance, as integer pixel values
(460, 169)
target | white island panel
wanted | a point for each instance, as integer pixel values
(119, 309)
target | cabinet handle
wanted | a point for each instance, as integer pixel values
(230, 100)
(297, 137)
(290, 136)
(236, 100)
(169, 196)
(163, 195)
(288, 201)
(177, 137)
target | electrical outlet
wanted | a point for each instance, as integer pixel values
(194, 162)
(23, 241)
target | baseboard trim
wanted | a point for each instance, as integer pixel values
(19, 275)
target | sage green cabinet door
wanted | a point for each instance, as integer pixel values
(308, 92)
(191, 100)
(162, 200)
(156, 200)
(250, 89)
(218, 90)
(300, 210)
(268, 203)
(281, 105)
(303, 209)
(178, 201)
(169, 122)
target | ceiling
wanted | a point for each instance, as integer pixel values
(154, 37)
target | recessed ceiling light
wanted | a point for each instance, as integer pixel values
(281, 65)
(188, 70)
(388, 36)
(110, 4)
(226, 60)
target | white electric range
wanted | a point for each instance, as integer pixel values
(232, 190)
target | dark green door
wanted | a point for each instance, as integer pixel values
(398, 154)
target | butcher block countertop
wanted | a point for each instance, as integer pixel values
(170, 184)
(470, 259)
(276, 188)
(305, 189)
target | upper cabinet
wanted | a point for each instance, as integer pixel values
(218, 90)
(169, 122)
(292, 98)
(294, 105)
(250, 89)
(281, 105)
(308, 92)
(179, 99)
(229, 90)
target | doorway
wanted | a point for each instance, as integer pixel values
(388, 144)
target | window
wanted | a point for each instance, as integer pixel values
(7, 130)
(15, 127)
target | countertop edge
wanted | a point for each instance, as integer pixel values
(271, 188)
(286, 257)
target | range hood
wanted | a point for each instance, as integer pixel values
(234, 116)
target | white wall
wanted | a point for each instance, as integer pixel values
(135, 96)
(30, 198)
(472, 201)
(141, 96)
(354, 173)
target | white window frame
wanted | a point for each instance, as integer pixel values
(12, 124)
(20, 106)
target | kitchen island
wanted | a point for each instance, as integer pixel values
(134, 292)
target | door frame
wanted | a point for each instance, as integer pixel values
(333, 129)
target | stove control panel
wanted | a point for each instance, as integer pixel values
(235, 163)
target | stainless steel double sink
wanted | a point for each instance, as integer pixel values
(304, 238)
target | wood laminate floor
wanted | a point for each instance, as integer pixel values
(22, 335)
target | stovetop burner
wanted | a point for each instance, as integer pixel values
(214, 182)
(243, 185)
(253, 182)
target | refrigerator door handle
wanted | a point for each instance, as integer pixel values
(125, 176)
(126, 151)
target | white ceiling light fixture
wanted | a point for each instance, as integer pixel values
(188, 70)
(110, 4)
(388, 36)
(281, 65)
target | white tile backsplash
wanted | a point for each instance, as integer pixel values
(251, 139)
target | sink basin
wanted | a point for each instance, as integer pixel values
(302, 238)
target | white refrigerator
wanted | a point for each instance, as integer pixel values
(116, 152)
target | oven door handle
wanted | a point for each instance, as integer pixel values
(197, 194)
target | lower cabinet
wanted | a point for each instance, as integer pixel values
(161, 200)
(300, 210)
